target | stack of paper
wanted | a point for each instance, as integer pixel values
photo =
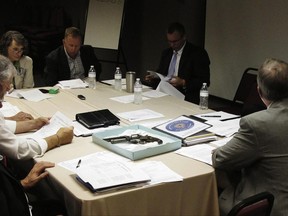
(108, 164)
(111, 175)
(199, 138)
(72, 84)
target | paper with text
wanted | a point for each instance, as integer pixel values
(57, 121)
(201, 152)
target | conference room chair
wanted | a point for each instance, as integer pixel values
(257, 205)
(246, 99)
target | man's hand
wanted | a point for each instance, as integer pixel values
(65, 135)
(36, 174)
(177, 81)
(29, 125)
(40, 122)
(149, 77)
(20, 116)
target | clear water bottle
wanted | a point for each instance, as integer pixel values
(92, 77)
(118, 79)
(204, 95)
(138, 91)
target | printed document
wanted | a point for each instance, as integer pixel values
(165, 87)
(57, 121)
(157, 171)
(105, 175)
(201, 152)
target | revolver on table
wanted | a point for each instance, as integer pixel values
(134, 139)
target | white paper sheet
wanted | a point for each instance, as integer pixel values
(220, 115)
(127, 99)
(8, 109)
(139, 115)
(154, 94)
(57, 121)
(225, 128)
(34, 95)
(72, 84)
(201, 152)
(80, 130)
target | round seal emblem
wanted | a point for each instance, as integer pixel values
(180, 125)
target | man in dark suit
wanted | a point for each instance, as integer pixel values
(190, 69)
(71, 60)
(258, 152)
(13, 199)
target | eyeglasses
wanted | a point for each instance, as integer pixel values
(17, 50)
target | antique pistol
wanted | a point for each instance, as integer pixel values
(134, 139)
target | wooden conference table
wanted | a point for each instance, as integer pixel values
(195, 195)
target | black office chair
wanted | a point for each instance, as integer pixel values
(246, 99)
(257, 205)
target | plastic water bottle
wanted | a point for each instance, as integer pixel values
(138, 91)
(204, 95)
(92, 77)
(118, 79)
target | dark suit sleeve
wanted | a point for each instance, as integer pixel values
(165, 61)
(51, 69)
(89, 58)
(196, 73)
(12, 198)
(241, 151)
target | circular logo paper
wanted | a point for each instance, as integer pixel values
(179, 125)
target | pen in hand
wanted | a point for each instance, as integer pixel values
(78, 164)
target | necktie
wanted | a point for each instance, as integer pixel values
(172, 65)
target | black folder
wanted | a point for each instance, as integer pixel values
(96, 119)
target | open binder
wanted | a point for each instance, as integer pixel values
(96, 119)
(190, 129)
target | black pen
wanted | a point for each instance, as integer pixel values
(215, 116)
(78, 164)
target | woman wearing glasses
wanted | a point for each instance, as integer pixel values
(14, 46)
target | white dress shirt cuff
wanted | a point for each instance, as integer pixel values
(11, 125)
(42, 144)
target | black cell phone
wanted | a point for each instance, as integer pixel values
(81, 97)
(44, 91)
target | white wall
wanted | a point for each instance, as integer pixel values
(241, 34)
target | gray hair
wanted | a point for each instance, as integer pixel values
(7, 69)
(272, 79)
(73, 32)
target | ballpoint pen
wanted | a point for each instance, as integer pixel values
(215, 116)
(78, 164)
